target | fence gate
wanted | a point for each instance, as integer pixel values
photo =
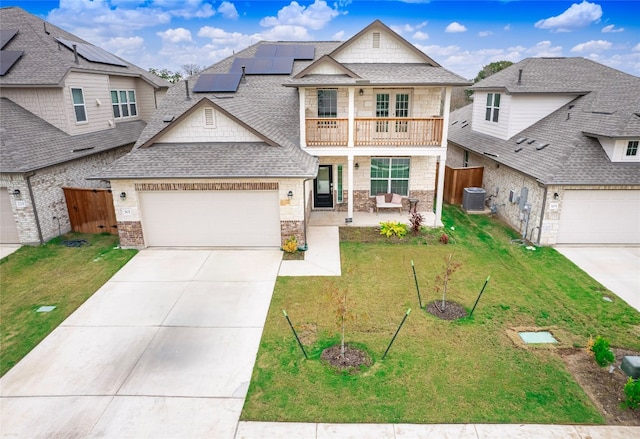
(91, 210)
(456, 179)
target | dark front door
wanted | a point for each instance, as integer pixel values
(323, 187)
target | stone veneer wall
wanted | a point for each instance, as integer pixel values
(49, 198)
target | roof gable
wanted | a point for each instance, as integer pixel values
(326, 66)
(377, 43)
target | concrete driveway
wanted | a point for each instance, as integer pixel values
(165, 349)
(615, 267)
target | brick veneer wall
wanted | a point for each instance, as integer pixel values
(130, 234)
(292, 228)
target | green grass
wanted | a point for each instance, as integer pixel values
(50, 274)
(437, 371)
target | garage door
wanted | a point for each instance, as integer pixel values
(211, 218)
(8, 227)
(600, 217)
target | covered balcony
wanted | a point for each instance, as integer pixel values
(379, 131)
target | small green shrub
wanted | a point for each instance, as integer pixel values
(390, 228)
(632, 393)
(601, 351)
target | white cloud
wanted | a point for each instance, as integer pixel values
(507, 28)
(577, 16)
(286, 32)
(315, 16)
(421, 36)
(545, 49)
(485, 33)
(338, 36)
(636, 48)
(592, 46)
(124, 47)
(228, 10)
(455, 27)
(178, 35)
(612, 28)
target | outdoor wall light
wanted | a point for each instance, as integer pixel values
(555, 196)
(361, 92)
(357, 166)
(123, 196)
(290, 195)
(16, 193)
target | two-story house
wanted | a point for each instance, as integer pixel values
(558, 140)
(242, 153)
(67, 110)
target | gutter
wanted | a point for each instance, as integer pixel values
(35, 209)
(544, 203)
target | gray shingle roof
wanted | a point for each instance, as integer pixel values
(22, 151)
(570, 158)
(208, 160)
(45, 61)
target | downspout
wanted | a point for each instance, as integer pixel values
(544, 203)
(304, 209)
(35, 209)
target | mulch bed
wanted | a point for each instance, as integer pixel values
(352, 360)
(451, 311)
(603, 388)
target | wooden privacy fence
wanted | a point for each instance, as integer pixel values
(91, 210)
(456, 179)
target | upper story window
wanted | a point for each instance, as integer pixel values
(79, 108)
(632, 148)
(123, 103)
(328, 103)
(493, 107)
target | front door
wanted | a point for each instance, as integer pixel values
(323, 187)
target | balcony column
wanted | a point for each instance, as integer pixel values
(350, 186)
(440, 190)
(351, 116)
(445, 116)
(302, 96)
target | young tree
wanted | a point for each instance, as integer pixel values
(442, 280)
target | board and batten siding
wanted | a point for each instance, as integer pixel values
(525, 110)
(46, 103)
(193, 129)
(391, 50)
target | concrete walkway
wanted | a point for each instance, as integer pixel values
(7, 249)
(615, 267)
(322, 258)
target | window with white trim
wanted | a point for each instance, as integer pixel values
(327, 107)
(632, 148)
(77, 95)
(123, 103)
(390, 175)
(492, 112)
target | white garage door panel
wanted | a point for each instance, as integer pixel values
(8, 227)
(600, 217)
(211, 219)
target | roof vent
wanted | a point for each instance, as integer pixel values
(186, 88)
(520, 77)
(465, 125)
(518, 149)
(542, 146)
(490, 154)
(168, 118)
(454, 122)
(530, 142)
(45, 28)
(520, 140)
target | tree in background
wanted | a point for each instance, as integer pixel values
(191, 69)
(170, 76)
(487, 71)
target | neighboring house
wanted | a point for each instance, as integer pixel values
(242, 153)
(558, 140)
(67, 110)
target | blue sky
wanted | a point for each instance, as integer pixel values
(461, 35)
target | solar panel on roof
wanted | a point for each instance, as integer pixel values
(263, 66)
(295, 51)
(6, 36)
(7, 59)
(217, 82)
(93, 53)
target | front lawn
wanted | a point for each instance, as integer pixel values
(465, 371)
(51, 274)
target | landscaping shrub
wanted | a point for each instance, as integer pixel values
(601, 351)
(290, 245)
(444, 238)
(416, 221)
(390, 228)
(632, 393)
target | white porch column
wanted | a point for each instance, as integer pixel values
(302, 96)
(440, 190)
(351, 116)
(350, 186)
(445, 116)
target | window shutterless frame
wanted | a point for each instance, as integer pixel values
(77, 97)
